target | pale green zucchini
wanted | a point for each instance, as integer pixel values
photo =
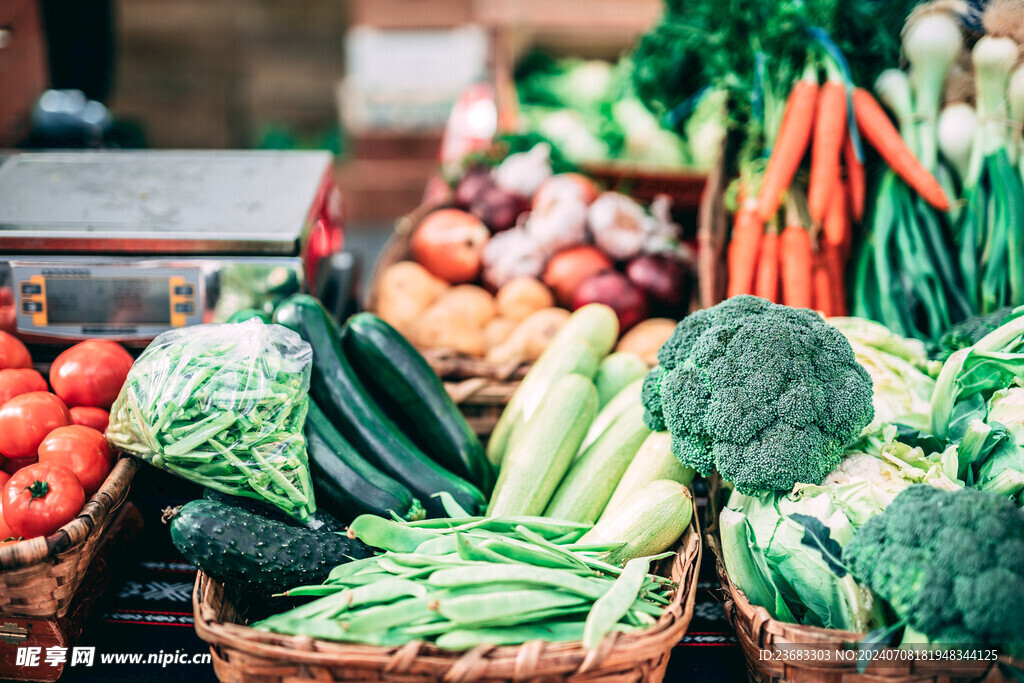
(648, 523)
(538, 460)
(628, 397)
(617, 371)
(578, 347)
(587, 487)
(654, 460)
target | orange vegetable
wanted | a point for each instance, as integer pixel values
(743, 248)
(834, 264)
(836, 229)
(875, 127)
(856, 183)
(767, 282)
(829, 132)
(790, 146)
(795, 263)
(821, 282)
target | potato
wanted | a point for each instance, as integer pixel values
(521, 296)
(646, 338)
(497, 331)
(404, 291)
(530, 338)
(474, 304)
(444, 326)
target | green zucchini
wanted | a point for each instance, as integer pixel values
(344, 482)
(248, 314)
(542, 452)
(653, 461)
(402, 381)
(648, 523)
(341, 395)
(586, 488)
(618, 370)
(236, 546)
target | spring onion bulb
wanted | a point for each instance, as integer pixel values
(931, 45)
(994, 59)
(893, 88)
(956, 127)
(1015, 93)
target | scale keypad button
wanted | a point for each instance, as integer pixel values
(31, 289)
(187, 307)
(183, 290)
(32, 306)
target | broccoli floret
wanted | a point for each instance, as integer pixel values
(970, 331)
(766, 394)
(951, 563)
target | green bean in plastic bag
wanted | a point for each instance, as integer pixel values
(223, 406)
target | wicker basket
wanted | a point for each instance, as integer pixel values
(244, 654)
(776, 651)
(40, 576)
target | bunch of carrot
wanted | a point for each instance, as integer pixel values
(799, 258)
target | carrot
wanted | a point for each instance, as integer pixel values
(743, 249)
(878, 130)
(795, 267)
(834, 265)
(821, 281)
(790, 146)
(856, 183)
(766, 284)
(836, 227)
(829, 131)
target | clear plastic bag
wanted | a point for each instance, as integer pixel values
(223, 406)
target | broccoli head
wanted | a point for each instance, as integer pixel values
(766, 394)
(951, 563)
(970, 331)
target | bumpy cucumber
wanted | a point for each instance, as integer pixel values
(260, 554)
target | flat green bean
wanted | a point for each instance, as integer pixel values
(614, 604)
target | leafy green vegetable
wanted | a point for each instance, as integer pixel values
(767, 395)
(223, 406)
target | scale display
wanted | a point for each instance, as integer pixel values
(119, 301)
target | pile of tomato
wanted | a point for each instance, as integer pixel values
(54, 453)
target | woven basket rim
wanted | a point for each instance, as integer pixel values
(302, 650)
(110, 496)
(815, 636)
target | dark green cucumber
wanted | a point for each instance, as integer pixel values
(344, 482)
(322, 520)
(248, 314)
(401, 380)
(339, 392)
(259, 554)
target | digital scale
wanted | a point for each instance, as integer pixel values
(125, 245)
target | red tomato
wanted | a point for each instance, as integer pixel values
(14, 381)
(5, 531)
(90, 373)
(83, 450)
(97, 418)
(25, 421)
(13, 353)
(12, 465)
(42, 498)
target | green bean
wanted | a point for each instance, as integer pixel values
(350, 568)
(469, 609)
(526, 554)
(442, 545)
(477, 553)
(466, 639)
(451, 507)
(536, 539)
(382, 618)
(493, 574)
(614, 604)
(378, 532)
